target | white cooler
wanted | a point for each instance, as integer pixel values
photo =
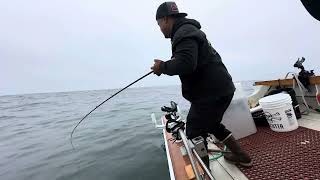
(237, 117)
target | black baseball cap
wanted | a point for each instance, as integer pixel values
(169, 9)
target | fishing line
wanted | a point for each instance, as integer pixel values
(103, 103)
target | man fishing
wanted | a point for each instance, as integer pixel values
(205, 80)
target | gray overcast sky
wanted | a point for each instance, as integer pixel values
(70, 45)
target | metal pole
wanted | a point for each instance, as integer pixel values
(203, 165)
(193, 164)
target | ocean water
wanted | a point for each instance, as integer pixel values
(117, 141)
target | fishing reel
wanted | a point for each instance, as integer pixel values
(172, 109)
(303, 74)
(174, 122)
(298, 64)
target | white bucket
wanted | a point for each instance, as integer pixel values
(279, 112)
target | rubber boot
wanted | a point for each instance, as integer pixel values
(238, 156)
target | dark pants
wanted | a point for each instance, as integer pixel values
(205, 117)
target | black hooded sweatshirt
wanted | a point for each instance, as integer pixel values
(198, 64)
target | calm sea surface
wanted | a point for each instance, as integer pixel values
(118, 141)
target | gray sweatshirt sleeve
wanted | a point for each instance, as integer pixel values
(184, 59)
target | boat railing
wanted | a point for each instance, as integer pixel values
(190, 150)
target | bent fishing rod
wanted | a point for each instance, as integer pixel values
(104, 102)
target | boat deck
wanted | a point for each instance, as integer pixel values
(277, 142)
